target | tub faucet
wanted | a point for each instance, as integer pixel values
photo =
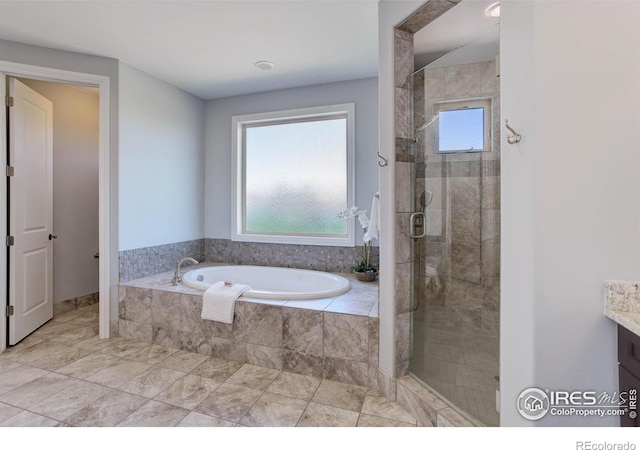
(176, 276)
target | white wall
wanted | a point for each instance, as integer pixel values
(218, 141)
(161, 162)
(75, 188)
(570, 84)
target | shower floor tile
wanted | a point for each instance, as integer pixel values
(68, 377)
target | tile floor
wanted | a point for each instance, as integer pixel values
(64, 375)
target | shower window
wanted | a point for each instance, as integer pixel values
(293, 175)
(464, 126)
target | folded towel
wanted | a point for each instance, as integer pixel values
(219, 301)
(374, 224)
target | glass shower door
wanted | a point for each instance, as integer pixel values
(456, 272)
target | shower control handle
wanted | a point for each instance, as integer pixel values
(417, 225)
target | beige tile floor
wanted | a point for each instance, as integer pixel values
(64, 375)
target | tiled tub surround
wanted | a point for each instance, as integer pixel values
(143, 262)
(622, 303)
(333, 338)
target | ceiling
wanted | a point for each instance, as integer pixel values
(209, 48)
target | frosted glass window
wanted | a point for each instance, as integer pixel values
(293, 175)
(296, 177)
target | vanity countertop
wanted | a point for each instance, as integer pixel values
(622, 303)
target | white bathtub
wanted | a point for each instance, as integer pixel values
(271, 282)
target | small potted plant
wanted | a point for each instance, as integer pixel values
(364, 271)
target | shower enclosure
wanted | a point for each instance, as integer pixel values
(455, 234)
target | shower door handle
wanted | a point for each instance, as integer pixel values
(417, 225)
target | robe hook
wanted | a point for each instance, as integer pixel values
(515, 137)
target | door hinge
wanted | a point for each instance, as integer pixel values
(8, 101)
(8, 311)
(10, 241)
(10, 171)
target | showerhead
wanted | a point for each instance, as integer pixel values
(425, 199)
(425, 122)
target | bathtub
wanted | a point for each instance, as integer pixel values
(271, 282)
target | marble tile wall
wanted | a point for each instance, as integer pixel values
(142, 262)
(319, 342)
(463, 223)
(404, 176)
(314, 257)
(426, 14)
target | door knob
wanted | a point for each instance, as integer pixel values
(52, 236)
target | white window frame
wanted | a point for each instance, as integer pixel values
(239, 123)
(486, 104)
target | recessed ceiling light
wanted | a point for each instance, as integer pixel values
(264, 65)
(493, 11)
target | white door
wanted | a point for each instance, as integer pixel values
(30, 210)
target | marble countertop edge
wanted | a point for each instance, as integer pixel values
(622, 303)
(629, 320)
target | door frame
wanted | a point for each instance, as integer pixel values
(9, 69)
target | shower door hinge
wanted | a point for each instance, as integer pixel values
(10, 241)
(8, 311)
(8, 101)
(10, 171)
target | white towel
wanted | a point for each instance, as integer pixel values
(219, 301)
(373, 231)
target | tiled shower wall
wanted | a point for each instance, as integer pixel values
(405, 170)
(463, 234)
(143, 262)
